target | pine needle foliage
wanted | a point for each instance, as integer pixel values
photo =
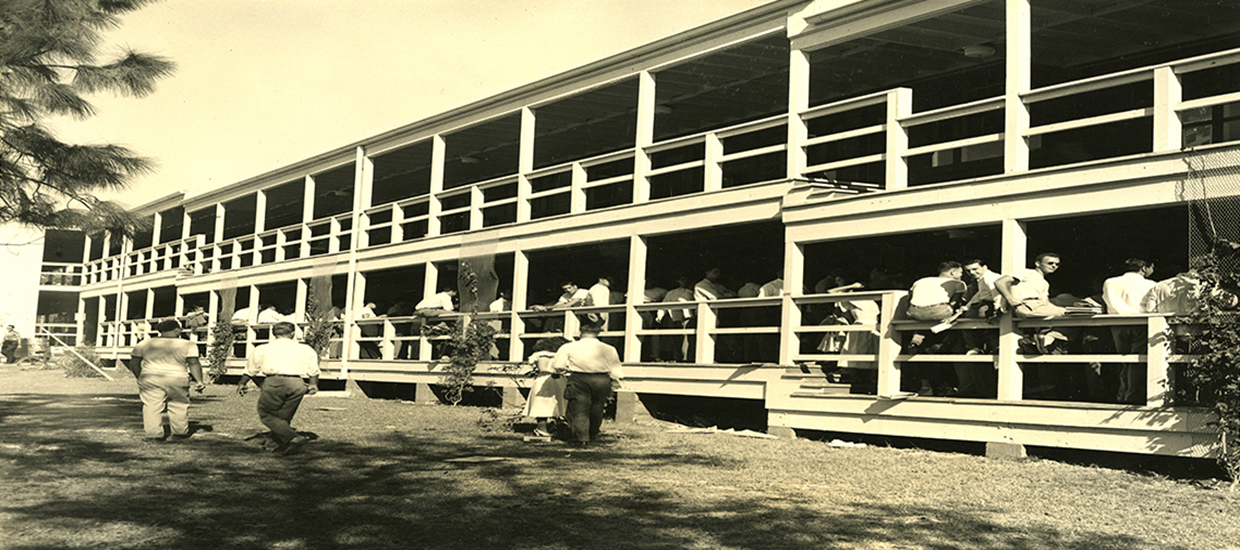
(48, 62)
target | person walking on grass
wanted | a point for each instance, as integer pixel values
(164, 366)
(12, 340)
(593, 371)
(287, 365)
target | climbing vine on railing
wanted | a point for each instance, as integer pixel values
(220, 349)
(320, 328)
(469, 342)
(1214, 376)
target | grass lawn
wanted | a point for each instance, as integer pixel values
(75, 473)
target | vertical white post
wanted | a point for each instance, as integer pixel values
(704, 351)
(307, 202)
(303, 297)
(220, 213)
(790, 314)
(439, 151)
(525, 163)
(712, 168)
(1157, 368)
(636, 293)
(576, 190)
(798, 101)
(899, 106)
(520, 291)
(1168, 130)
(430, 282)
(1011, 377)
(1019, 61)
(156, 230)
(645, 136)
(260, 212)
(889, 345)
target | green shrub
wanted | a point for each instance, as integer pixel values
(78, 367)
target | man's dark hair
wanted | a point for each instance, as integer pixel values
(283, 329)
(168, 325)
(550, 344)
(567, 283)
(591, 329)
(948, 265)
(1134, 264)
(974, 261)
(1045, 255)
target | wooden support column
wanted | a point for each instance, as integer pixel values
(790, 314)
(525, 163)
(1168, 129)
(798, 101)
(576, 189)
(899, 106)
(712, 168)
(303, 297)
(704, 350)
(356, 301)
(1018, 61)
(430, 282)
(439, 151)
(636, 293)
(520, 291)
(1011, 375)
(260, 211)
(645, 136)
(1157, 368)
(888, 346)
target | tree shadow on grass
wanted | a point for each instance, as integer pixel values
(401, 490)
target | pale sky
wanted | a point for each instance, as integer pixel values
(262, 84)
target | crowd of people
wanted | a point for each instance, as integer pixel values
(166, 367)
(970, 290)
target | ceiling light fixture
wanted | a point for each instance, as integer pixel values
(978, 51)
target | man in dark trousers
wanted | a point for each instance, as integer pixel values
(593, 371)
(292, 371)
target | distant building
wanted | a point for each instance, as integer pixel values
(42, 273)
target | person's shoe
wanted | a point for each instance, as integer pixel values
(295, 445)
(973, 351)
(926, 391)
(178, 437)
(542, 433)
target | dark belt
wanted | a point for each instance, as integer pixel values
(579, 373)
(285, 376)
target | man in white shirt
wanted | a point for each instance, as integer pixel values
(677, 347)
(1123, 296)
(935, 299)
(593, 370)
(436, 304)
(600, 295)
(1028, 292)
(709, 288)
(978, 380)
(984, 302)
(164, 366)
(268, 314)
(287, 365)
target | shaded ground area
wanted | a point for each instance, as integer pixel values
(74, 473)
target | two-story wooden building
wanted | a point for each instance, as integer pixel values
(818, 142)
